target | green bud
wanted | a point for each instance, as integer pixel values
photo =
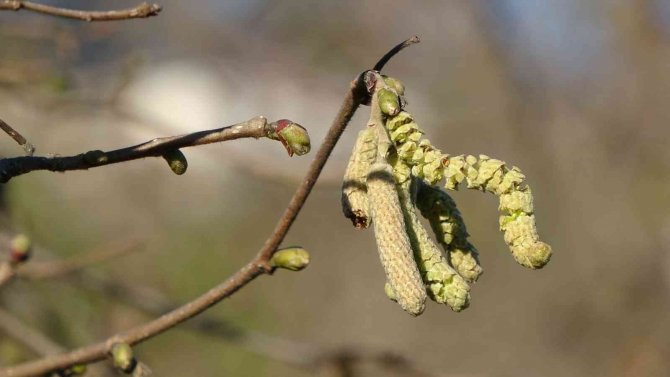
(20, 249)
(176, 160)
(123, 358)
(293, 136)
(292, 258)
(388, 102)
(95, 157)
(395, 84)
(78, 370)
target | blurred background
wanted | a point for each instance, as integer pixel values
(577, 94)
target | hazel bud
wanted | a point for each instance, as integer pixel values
(20, 249)
(293, 136)
(394, 84)
(292, 258)
(95, 157)
(388, 102)
(123, 358)
(176, 160)
(78, 370)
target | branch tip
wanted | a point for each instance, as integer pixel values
(399, 47)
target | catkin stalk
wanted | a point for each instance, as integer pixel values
(354, 189)
(395, 251)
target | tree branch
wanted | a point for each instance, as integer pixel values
(27, 147)
(256, 267)
(33, 270)
(143, 10)
(37, 342)
(151, 302)
(256, 127)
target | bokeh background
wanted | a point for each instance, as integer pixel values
(575, 93)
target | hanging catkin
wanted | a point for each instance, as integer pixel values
(354, 187)
(393, 244)
(441, 212)
(443, 284)
(484, 174)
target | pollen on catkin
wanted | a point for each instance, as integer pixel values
(354, 188)
(480, 173)
(447, 223)
(444, 285)
(395, 251)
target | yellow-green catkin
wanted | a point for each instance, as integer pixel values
(480, 173)
(393, 243)
(447, 223)
(443, 284)
(520, 233)
(354, 188)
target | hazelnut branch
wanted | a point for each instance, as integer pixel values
(259, 265)
(143, 10)
(256, 127)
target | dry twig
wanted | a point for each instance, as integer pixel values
(143, 10)
(27, 147)
(257, 266)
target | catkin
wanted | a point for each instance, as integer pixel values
(444, 285)
(449, 228)
(354, 190)
(484, 174)
(518, 226)
(394, 246)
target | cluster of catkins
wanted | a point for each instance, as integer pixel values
(393, 174)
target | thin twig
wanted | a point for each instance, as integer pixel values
(313, 357)
(399, 47)
(143, 10)
(7, 272)
(27, 147)
(256, 127)
(256, 267)
(28, 336)
(55, 269)
(35, 341)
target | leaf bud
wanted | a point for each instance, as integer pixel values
(176, 161)
(291, 258)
